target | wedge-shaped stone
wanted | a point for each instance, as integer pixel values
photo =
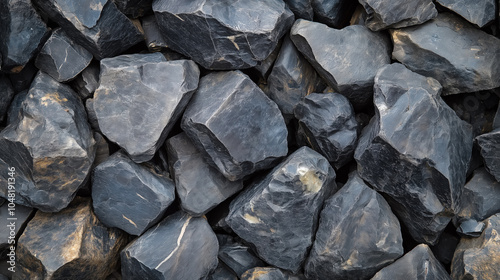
(488, 144)
(87, 82)
(238, 257)
(479, 12)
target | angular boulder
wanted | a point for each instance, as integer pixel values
(488, 144)
(334, 13)
(238, 257)
(301, 8)
(479, 13)
(152, 34)
(222, 273)
(87, 82)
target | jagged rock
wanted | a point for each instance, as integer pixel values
(180, 247)
(87, 82)
(347, 59)
(22, 80)
(479, 13)
(278, 214)
(102, 149)
(415, 150)
(236, 124)
(478, 258)
(71, 244)
(129, 196)
(152, 34)
(419, 263)
(488, 144)
(357, 235)
(335, 13)
(264, 273)
(13, 218)
(470, 228)
(96, 25)
(92, 117)
(221, 36)
(238, 257)
(222, 273)
(140, 123)
(6, 95)
(13, 114)
(328, 123)
(301, 8)
(134, 8)
(22, 32)
(449, 49)
(199, 185)
(265, 66)
(50, 144)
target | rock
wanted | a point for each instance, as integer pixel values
(328, 123)
(238, 257)
(265, 66)
(447, 48)
(301, 8)
(50, 144)
(140, 123)
(445, 248)
(221, 36)
(180, 247)
(13, 218)
(478, 258)
(222, 273)
(419, 263)
(103, 30)
(71, 244)
(470, 228)
(488, 145)
(152, 34)
(134, 8)
(479, 13)
(278, 214)
(236, 124)
(200, 186)
(415, 150)
(102, 149)
(94, 123)
(6, 95)
(264, 273)
(22, 80)
(87, 82)
(496, 120)
(13, 115)
(335, 13)
(23, 33)
(347, 59)
(346, 245)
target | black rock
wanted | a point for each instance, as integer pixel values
(152, 34)
(6, 95)
(415, 150)
(449, 49)
(236, 124)
(488, 144)
(220, 36)
(238, 257)
(479, 13)
(92, 117)
(22, 80)
(87, 82)
(301, 8)
(470, 228)
(445, 248)
(335, 13)
(13, 115)
(264, 273)
(140, 123)
(265, 66)
(222, 273)
(328, 123)
(496, 120)
(278, 214)
(180, 247)
(134, 8)
(102, 149)
(347, 59)
(199, 185)
(13, 218)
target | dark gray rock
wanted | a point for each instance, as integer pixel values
(134, 8)
(87, 82)
(223, 35)
(479, 13)
(451, 50)
(96, 25)
(222, 273)
(496, 120)
(22, 80)
(415, 150)
(6, 95)
(470, 228)
(265, 66)
(488, 144)
(50, 144)
(278, 214)
(129, 196)
(347, 59)
(199, 185)
(328, 123)
(180, 247)
(445, 248)
(236, 124)
(140, 123)
(92, 117)
(13, 115)
(301, 8)
(357, 235)
(264, 273)
(102, 149)
(13, 218)
(238, 257)
(152, 34)
(335, 13)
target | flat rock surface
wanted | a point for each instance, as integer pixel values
(87, 82)
(238, 257)
(301, 8)
(479, 12)
(488, 145)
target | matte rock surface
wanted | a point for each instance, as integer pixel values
(6, 95)
(479, 13)
(470, 228)
(335, 13)
(222, 273)
(301, 8)
(238, 257)
(87, 82)
(488, 144)
(152, 34)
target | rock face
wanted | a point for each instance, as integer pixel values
(449, 49)
(479, 13)
(129, 196)
(222, 273)
(50, 144)
(301, 8)
(87, 82)
(199, 185)
(6, 95)
(138, 109)
(180, 247)
(152, 34)
(347, 59)
(238, 257)
(264, 273)
(134, 8)
(415, 150)
(236, 124)
(71, 244)
(488, 144)
(223, 36)
(335, 13)
(278, 215)
(8, 223)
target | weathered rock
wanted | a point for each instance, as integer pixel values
(87, 82)
(180, 247)
(92, 117)
(134, 8)
(488, 144)
(236, 124)
(470, 228)
(478, 258)
(102, 29)
(449, 49)
(13, 115)
(328, 123)
(13, 218)
(140, 123)
(416, 150)
(265, 66)
(278, 215)
(238, 257)
(50, 144)
(71, 244)
(335, 13)
(222, 273)
(152, 34)
(264, 273)
(479, 13)
(222, 36)
(6, 95)
(347, 59)
(301, 8)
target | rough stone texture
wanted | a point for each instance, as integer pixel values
(199, 185)
(347, 59)
(6, 95)
(92, 117)
(478, 258)
(335, 13)
(71, 244)
(140, 123)
(87, 82)
(222, 273)
(225, 34)
(102, 29)
(470, 228)
(479, 12)
(278, 214)
(236, 124)
(152, 34)
(134, 8)
(265, 66)
(357, 235)
(264, 273)
(238, 257)
(180, 247)
(50, 144)
(488, 144)
(451, 50)
(129, 196)
(12, 218)
(301, 8)
(415, 150)
(328, 124)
